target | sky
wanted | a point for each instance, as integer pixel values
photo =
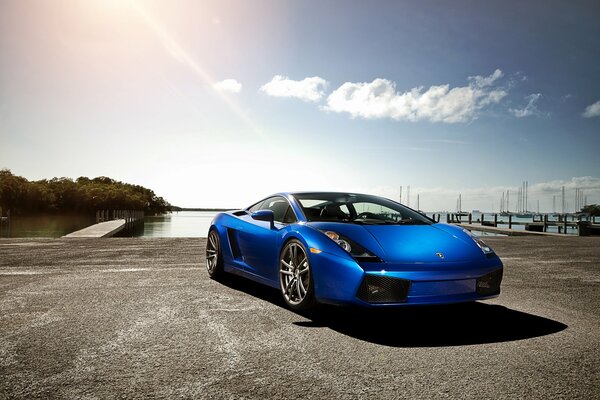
(221, 103)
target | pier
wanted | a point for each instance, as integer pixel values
(109, 223)
(538, 225)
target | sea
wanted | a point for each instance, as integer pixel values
(176, 224)
(51, 225)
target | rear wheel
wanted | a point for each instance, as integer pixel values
(214, 257)
(295, 276)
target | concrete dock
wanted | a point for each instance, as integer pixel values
(100, 230)
(139, 318)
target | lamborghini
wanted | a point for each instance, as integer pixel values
(351, 249)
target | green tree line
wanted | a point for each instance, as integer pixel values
(81, 195)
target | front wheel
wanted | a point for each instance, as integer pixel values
(295, 277)
(214, 257)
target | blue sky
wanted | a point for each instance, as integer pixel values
(217, 103)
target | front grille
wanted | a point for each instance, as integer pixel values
(383, 289)
(489, 284)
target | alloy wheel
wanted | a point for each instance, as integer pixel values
(294, 273)
(212, 252)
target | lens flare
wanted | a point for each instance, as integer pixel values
(179, 53)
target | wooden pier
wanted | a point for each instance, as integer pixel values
(109, 223)
(585, 226)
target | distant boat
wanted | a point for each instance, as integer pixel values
(524, 215)
(505, 213)
(459, 211)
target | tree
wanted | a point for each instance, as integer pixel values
(82, 195)
(592, 209)
(12, 189)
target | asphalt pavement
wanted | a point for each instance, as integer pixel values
(139, 318)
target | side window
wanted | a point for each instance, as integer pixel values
(281, 208)
(255, 207)
(289, 217)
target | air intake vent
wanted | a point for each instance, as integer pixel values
(383, 289)
(235, 250)
(489, 284)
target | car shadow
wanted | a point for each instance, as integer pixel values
(435, 326)
(419, 326)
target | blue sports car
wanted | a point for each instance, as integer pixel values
(351, 249)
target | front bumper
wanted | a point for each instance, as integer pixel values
(344, 281)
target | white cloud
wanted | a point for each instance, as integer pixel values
(379, 99)
(485, 81)
(582, 182)
(530, 109)
(593, 110)
(308, 89)
(228, 85)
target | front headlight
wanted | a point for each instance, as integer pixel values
(356, 250)
(336, 238)
(484, 247)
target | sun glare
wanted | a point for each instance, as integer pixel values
(117, 3)
(174, 49)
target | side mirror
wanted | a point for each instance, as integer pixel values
(264, 215)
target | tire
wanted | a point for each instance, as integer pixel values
(296, 277)
(214, 256)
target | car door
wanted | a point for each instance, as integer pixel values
(260, 244)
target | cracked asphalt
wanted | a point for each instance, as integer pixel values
(139, 318)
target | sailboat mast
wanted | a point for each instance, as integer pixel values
(526, 195)
(522, 197)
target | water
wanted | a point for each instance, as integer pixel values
(52, 226)
(178, 224)
(196, 224)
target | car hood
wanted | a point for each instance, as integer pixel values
(409, 243)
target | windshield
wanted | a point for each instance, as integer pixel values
(358, 209)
